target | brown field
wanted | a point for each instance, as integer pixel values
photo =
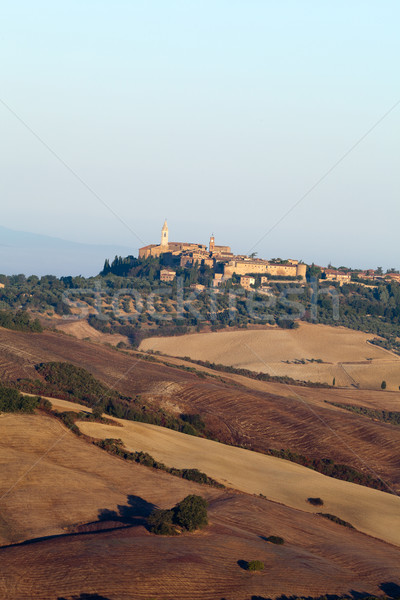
(53, 483)
(346, 354)
(83, 331)
(237, 410)
(370, 511)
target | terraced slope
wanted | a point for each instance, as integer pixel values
(54, 480)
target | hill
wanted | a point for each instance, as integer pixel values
(22, 252)
(261, 417)
(313, 352)
(371, 511)
(54, 483)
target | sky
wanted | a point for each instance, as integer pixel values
(219, 115)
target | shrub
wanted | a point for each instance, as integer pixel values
(383, 385)
(191, 512)
(255, 565)
(275, 539)
(336, 519)
(161, 522)
(315, 501)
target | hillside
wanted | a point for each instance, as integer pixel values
(370, 511)
(235, 410)
(69, 481)
(312, 352)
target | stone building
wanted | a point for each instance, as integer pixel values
(167, 275)
(335, 275)
(166, 246)
(246, 281)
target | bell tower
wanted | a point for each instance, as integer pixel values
(212, 243)
(164, 234)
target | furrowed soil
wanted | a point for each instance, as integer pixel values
(236, 409)
(53, 483)
(346, 354)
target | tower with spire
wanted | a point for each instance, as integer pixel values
(164, 234)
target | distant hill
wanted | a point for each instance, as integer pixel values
(31, 253)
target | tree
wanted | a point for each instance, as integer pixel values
(161, 522)
(97, 411)
(383, 385)
(191, 512)
(255, 565)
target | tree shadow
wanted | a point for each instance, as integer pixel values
(392, 590)
(134, 513)
(85, 597)
(243, 564)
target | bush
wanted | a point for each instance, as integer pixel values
(191, 512)
(255, 565)
(336, 519)
(275, 539)
(315, 501)
(383, 385)
(161, 522)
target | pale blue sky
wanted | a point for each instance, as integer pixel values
(217, 114)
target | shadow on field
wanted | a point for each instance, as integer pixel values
(134, 513)
(390, 589)
(85, 597)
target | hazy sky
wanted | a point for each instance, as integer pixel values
(217, 114)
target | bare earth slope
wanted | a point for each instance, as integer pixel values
(345, 353)
(371, 511)
(51, 480)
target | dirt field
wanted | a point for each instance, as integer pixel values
(237, 410)
(53, 482)
(345, 353)
(83, 331)
(373, 512)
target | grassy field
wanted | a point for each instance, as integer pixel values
(345, 353)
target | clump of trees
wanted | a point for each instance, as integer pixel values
(69, 382)
(188, 515)
(315, 501)
(19, 321)
(12, 400)
(336, 519)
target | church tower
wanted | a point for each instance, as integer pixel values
(164, 234)
(212, 243)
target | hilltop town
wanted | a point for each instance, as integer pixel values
(225, 264)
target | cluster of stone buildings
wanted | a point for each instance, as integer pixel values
(187, 255)
(225, 264)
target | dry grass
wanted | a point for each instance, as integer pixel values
(373, 512)
(346, 354)
(238, 410)
(82, 330)
(71, 481)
